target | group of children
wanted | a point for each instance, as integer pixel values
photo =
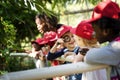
(82, 43)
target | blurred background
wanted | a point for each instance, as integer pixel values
(18, 28)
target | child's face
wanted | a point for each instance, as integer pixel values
(79, 41)
(86, 43)
(68, 39)
(101, 34)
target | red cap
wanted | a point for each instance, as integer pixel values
(62, 30)
(51, 37)
(40, 41)
(83, 30)
(105, 9)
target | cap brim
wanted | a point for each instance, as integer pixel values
(91, 20)
(96, 17)
(54, 39)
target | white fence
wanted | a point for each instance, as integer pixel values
(49, 72)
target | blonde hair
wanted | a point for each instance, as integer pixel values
(82, 42)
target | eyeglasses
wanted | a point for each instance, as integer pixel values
(67, 38)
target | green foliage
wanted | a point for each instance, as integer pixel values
(4, 60)
(18, 14)
(7, 34)
(10, 63)
(58, 6)
(16, 24)
(94, 1)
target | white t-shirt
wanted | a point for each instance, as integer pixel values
(95, 75)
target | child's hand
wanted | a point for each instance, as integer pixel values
(60, 41)
(78, 58)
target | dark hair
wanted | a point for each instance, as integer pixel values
(50, 22)
(38, 46)
(108, 23)
(59, 25)
(41, 17)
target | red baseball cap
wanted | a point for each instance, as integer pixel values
(40, 41)
(62, 30)
(105, 9)
(83, 30)
(51, 37)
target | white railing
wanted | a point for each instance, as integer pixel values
(19, 54)
(49, 72)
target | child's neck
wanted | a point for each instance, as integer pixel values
(71, 48)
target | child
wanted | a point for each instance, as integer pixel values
(68, 42)
(106, 23)
(85, 38)
(37, 52)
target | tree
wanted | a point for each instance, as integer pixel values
(16, 26)
(16, 13)
(20, 14)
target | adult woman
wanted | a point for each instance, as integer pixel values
(46, 23)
